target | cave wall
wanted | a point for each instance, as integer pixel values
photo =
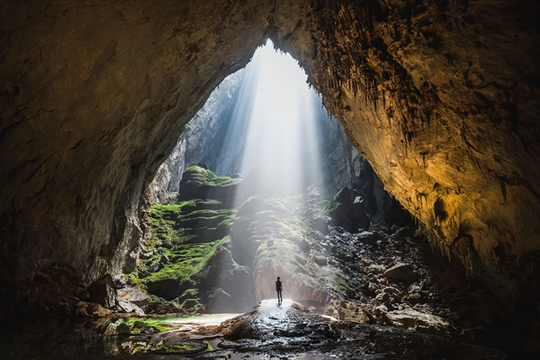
(202, 141)
(441, 97)
(94, 97)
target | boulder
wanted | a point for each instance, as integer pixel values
(358, 216)
(167, 289)
(218, 299)
(91, 310)
(320, 260)
(191, 180)
(370, 237)
(128, 306)
(228, 275)
(412, 319)
(134, 295)
(102, 292)
(340, 206)
(352, 311)
(401, 272)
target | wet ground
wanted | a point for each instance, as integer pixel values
(269, 331)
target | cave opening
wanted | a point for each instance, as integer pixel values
(257, 168)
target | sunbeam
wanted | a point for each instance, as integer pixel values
(281, 114)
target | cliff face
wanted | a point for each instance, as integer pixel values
(441, 97)
(203, 141)
(94, 98)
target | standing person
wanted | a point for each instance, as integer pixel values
(278, 289)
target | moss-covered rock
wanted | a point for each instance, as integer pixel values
(199, 182)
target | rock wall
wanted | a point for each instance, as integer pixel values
(202, 141)
(441, 97)
(94, 98)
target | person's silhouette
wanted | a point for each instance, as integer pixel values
(278, 289)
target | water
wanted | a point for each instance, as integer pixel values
(284, 336)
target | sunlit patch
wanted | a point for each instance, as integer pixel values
(280, 114)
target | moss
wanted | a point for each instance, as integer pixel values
(207, 177)
(332, 204)
(188, 347)
(187, 260)
(139, 326)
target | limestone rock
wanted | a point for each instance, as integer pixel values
(167, 289)
(358, 215)
(128, 306)
(340, 208)
(218, 299)
(351, 311)
(320, 260)
(91, 310)
(401, 272)
(442, 98)
(370, 237)
(412, 319)
(102, 292)
(134, 295)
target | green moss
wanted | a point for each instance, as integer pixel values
(139, 326)
(182, 348)
(187, 260)
(198, 174)
(332, 204)
(176, 348)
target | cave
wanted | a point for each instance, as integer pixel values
(439, 96)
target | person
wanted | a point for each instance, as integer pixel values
(278, 289)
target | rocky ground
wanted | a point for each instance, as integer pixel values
(329, 254)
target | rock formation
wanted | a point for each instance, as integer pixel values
(440, 96)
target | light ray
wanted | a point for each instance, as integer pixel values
(281, 133)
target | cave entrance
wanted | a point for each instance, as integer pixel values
(248, 195)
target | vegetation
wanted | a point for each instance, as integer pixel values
(137, 326)
(195, 173)
(332, 204)
(186, 260)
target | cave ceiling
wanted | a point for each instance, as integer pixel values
(441, 97)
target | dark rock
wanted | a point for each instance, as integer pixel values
(357, 214)
(167, 289)
(405, 232)
(186, 348)
(164, 258)
(102, 292)
(320, 260)
(217, 300)
(340, 206)
(320, 224)
(370, 238)
(91, 310)
(133, 294)
(412, 319)
(232, 278)
(401, 272)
